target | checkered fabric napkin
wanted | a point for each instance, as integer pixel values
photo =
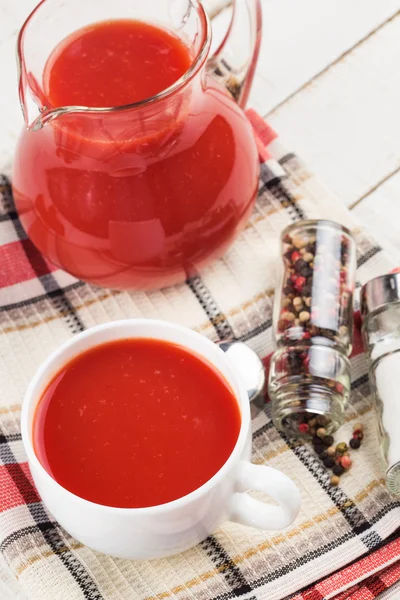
(354, 524)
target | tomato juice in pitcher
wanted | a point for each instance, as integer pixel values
(137, 167)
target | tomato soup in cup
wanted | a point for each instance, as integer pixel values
(138, 439)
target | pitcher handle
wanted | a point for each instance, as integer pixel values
(234, 62)
(248, 511)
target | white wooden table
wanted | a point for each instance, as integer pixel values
(328, 80)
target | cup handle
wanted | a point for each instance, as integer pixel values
(248, 511)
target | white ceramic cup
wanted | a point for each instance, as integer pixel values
(157, 531)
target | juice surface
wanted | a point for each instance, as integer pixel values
(114, 63)
(135, 423)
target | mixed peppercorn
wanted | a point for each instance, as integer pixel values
(313, 321)
(317, 291)
(334, 456)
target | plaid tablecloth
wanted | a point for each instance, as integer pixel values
(42, 307)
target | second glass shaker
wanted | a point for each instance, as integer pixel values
(309, 379)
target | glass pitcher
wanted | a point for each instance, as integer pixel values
(142, 195)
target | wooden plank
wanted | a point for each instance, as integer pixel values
(301, 39)
(379, 212)
(346, 123)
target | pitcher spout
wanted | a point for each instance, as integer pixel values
(28, 90)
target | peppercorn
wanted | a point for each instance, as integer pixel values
(303, 428)
(355, 443)
(358, 427)
(299, 283)
(322, 420)
(308, 416)
(338, 470)
(300, 264)
(329, 462)
(297, 303)
(304, 316)
(306, 271)
(287, 316)
(308, 301)
(299, 243)
(321, 432)
(328, 440)
(334, 480)
(289, 290)
(358, 434)
(341, 447)
(323, 455)
(345, 461)
(331, 451)
(316, 441)
(295, 256)
(282, 324)
(319, 448)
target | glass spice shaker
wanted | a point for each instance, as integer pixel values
(380, 310)
(309, 381)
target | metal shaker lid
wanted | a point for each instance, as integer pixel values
(379, 292)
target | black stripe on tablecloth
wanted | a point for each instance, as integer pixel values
(39, 266)
(211, 308)
(368, 255)
(49, 295)
(362, 380)
(226, 566)
(50, 532)
(287, 158)
(256, 331)
(9, 216)
(11, 437)
(277, 186)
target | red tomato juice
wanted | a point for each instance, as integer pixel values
(114, 63)
(135, 423)
(141, 197)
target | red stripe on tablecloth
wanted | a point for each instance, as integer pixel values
(361, 569)
(358, 345)
(16, 486)
(20, 261)
(262, 130)
(312, 594)
(376, 585)
(391, 575)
